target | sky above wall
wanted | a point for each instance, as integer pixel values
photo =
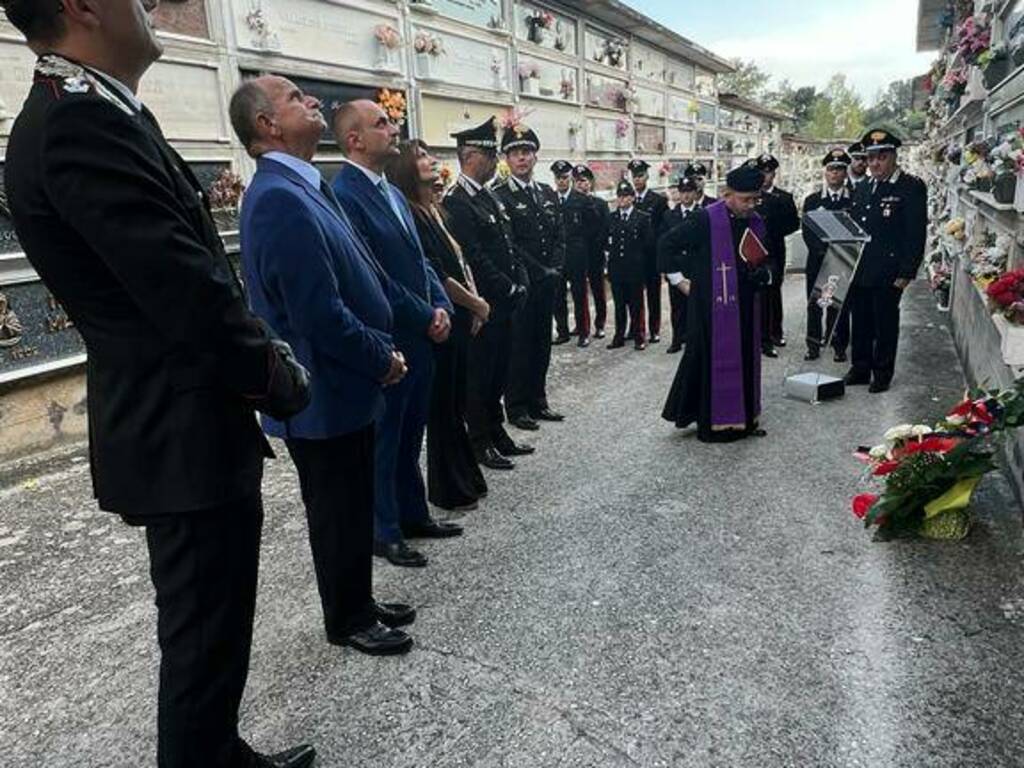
(872, 42)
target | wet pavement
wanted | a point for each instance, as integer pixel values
(626, 597)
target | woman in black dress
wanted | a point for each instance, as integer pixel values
(454, 480)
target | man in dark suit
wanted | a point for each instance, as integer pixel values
(380, 213)
(833, 196)
(655, 206)
(118, 228)
(583, 179)
(316, 284)
(482, 227)
(578, 221)
(778, 209)
(629, 241)
(537, 234)
(893, 208)
(678, 284)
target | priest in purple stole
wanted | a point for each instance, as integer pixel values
(718, 384)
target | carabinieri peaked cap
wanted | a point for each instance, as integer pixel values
(747, 178)
(625, 189)
(696, 169)
(836, 157)
(767, 163)
(484, 136)
(638, 167)
(517, 136)
(857, 151)
(880, 140)
(688, 184)
(561, 168)
(582, 172)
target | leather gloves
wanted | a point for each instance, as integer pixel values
(288, 390)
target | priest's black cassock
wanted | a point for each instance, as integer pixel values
(718, 384)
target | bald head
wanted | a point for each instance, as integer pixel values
(271, 113)
(365, 133)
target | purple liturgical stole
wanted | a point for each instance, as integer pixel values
(728, 409)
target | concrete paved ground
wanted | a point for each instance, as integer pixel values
(626, 597)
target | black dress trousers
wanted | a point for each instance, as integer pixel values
(204, 567)
(336, 476)
(876, 330)
(678, 302)
(453, 475)
(530, 357)
(488, 374)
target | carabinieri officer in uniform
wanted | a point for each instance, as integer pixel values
(893, 207)
(481, 225)
(538, 238)
(834, 195)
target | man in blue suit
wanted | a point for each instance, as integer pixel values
(368, 138)
(314, 281)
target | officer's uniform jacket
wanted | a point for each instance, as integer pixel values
(778, 209)
(830, 202)
(895, 214)
(656, 206)
(536, 227)
(480, 223)
(118, 228)
(628, 243)
(579, 219)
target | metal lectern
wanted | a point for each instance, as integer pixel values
(845, 239)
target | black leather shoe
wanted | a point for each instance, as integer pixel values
(857, 379)
(432, 529)
(769, 352)
(878, 386)
(296, 757)
(780, 343)
(673, 348)
(639, 346)
(490, 458)
(394, 614)
(507, 446)
(599, 333)
(617, 343)
(583, 342)
(376, 640)
(840, 356)
(524, 422)
(758, 432)
(546, 414)
(562, 338)
(812, 354)
(401, 554)
(655, 339)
